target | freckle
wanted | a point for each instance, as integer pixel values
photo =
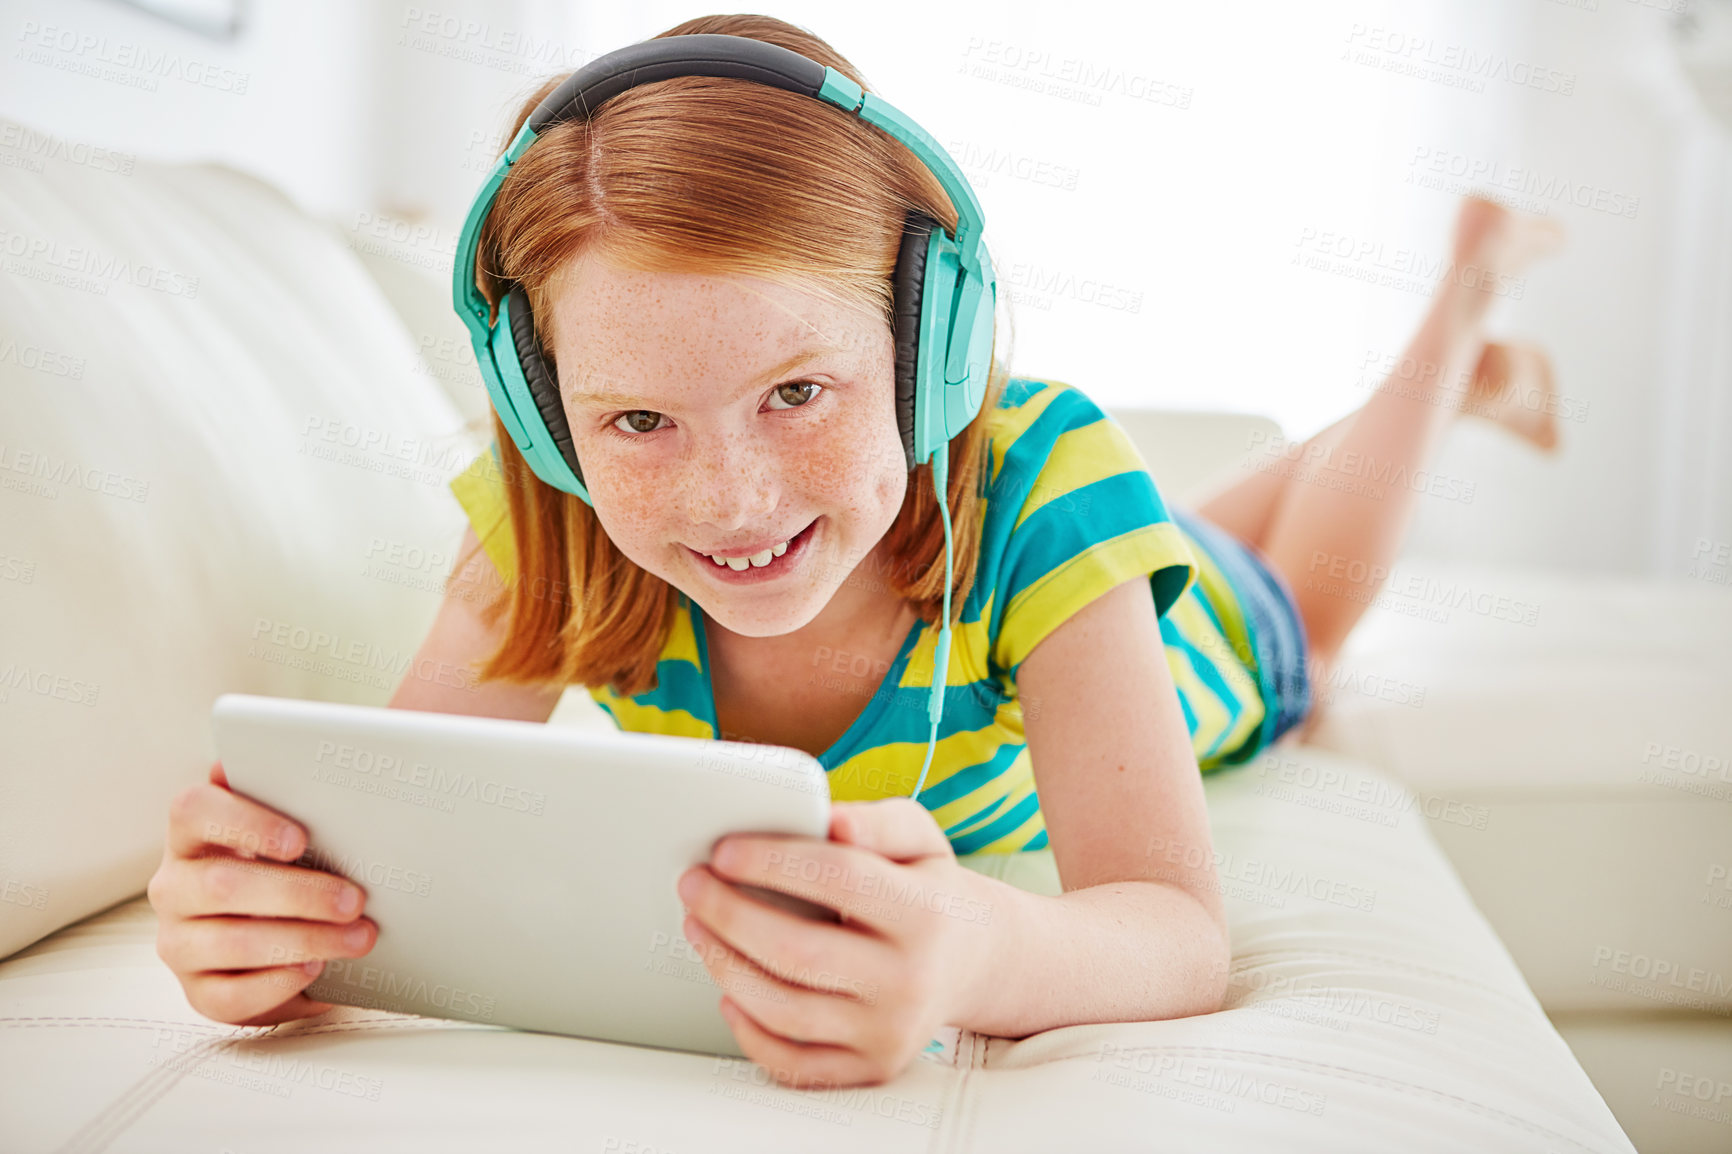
(1121, 769)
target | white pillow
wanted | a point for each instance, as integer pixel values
(1494, 680)
(219, 471)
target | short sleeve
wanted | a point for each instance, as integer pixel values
(1071, 513)
(480, 489)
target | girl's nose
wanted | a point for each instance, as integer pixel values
(730, 490)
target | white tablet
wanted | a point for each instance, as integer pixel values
(520, 874)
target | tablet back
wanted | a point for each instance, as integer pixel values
(520, 874)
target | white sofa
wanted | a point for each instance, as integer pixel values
(223, 448)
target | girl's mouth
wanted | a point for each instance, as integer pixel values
(752, 574)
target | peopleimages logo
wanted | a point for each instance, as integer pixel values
(120, 61)
(93, 269)
(357, 974)
(1662, 979)
(352, 760)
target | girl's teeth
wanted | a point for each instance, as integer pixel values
(756, 560)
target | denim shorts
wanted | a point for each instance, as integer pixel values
(1271, 618)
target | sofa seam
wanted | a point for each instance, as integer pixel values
(1349, 1074)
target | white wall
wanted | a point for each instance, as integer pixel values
(1148, 175)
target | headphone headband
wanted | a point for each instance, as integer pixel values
(662, 58)
(713, 54)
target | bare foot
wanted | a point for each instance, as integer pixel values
(1493, 245)
(1512, 386)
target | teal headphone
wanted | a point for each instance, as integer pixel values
(943, 288)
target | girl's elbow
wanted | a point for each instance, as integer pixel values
(1214, 963)
(1212, 995)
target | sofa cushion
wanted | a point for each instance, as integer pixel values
(1371, 1007)
(219, 471)
(1569, 738)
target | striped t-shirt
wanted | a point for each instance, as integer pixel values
(1070, 512)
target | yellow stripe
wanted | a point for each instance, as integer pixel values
(1237, 716)
(629, 715)
(1055, 597)
(682, 642)
(968, 645)
(1213, 715)
(1013, 840)
(1081, 457)
(981, 806)
(480, 489)
(893, 768)
(1219, 593)
(1010, 423)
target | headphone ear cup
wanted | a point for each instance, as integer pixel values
(907, 286)
(539, 376)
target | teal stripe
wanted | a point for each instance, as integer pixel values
(1174, 639)
(679, 685)
(1265, 679)
(1207, 607)
(1052, 536)
(1020, 813)
(891, 699)
(1210, 676)
(698, 689)
(963, 782)
(973, 822)
(1071, 409)
(904, 719)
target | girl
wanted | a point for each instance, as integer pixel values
(708, 265)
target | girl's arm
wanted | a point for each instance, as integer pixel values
(443, 678)
(1140, 933)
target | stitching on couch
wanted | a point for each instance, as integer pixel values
(131, 1104)
(66, 1020)
(405, 1022)
(1348, 1074)
(1393, 963)
(272, 1031)
(970, 1056)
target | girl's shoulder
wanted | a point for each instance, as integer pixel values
(1071, 511)
(480, 490)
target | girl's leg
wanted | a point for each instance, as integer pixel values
(1511, 387)
(1245, 507)
(1327, 507)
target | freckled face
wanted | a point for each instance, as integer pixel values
(703, 440)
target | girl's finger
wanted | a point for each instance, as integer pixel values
(899, 828)
(870, 891)
(225, 884)
(799, 1065)
(206, 815)
(203, 945)
(253, 997)
(767, 934)
(807, 1005)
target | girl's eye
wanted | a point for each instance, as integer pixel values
(798, 385)
(637, 413)
(643, 422)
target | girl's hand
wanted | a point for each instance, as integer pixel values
(825, 1005)
(236, 928)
